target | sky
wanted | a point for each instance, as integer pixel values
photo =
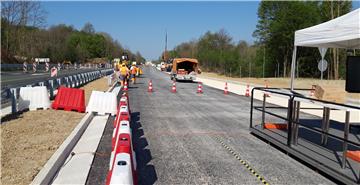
(141, 26)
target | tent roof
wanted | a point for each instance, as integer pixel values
(342, 32)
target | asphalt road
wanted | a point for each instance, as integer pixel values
(11, 79)
(177, 138)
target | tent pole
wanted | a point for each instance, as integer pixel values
(293, 66)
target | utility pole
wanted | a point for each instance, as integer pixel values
(165, 53)
(249, 68)
(240, 71)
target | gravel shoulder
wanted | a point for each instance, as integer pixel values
(334, 90)
(29, 139)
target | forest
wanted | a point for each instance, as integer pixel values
(270, 54)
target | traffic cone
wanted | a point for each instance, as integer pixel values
(150, 86)
(226, 89)
(173, 88)
(266, 86)
(199, 89)
(247, 93)
(126, 86)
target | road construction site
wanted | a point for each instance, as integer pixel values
(187, 137)
(178, 138)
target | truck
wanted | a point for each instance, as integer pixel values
(184, 69)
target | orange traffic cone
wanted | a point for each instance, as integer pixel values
(226, 89)
(126, 86)
(199, 89)
(173, 88)
(150, 89)
(247, 93)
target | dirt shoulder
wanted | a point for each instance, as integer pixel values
(28, 141)
(334, 89)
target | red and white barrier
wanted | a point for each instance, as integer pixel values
(123, 145)
(34, 67)
(122, 167)
(123, 127)
(25, 67)
(124, 113)
(123, 101)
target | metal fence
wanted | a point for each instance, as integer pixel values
(316, 134)
(10, 96)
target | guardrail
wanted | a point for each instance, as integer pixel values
(42, 67)
(9, 97)
(315, 135)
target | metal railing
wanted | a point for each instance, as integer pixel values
(293, 121)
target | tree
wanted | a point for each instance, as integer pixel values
(139, 58)
(15, 17)
(88, 28)
(277, 24)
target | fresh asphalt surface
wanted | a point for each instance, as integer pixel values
(174, 137)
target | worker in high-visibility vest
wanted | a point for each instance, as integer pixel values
(133, 71)
(124, 72)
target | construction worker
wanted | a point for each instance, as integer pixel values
(116, 75)
(133, 71)
(124, 73)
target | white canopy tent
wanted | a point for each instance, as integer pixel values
(342, 32)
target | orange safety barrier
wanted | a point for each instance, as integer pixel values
(354, 155)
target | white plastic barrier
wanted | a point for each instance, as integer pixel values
(102, 103)
(33, 98)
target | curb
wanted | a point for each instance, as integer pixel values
(53, 165)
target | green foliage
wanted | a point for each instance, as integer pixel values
(271, 54)
(278, 21)
(61, 42)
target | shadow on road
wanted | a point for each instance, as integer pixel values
(146, 172)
